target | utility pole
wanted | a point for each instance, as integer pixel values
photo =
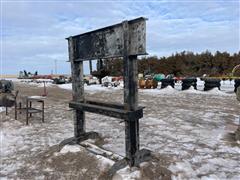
(55, 66)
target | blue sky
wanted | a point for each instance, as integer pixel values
(33, 32)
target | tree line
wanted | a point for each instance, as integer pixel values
(185, 63)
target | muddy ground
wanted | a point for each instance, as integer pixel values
(190, 132)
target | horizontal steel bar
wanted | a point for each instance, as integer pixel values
(111, 110)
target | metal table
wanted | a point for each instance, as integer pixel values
(29, 107)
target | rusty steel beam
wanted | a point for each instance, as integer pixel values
(108, 111)
(130, 96)
(78, 90)
(108, 42)
(111, 105)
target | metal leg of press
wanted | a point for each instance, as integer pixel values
(42, 111)
(30, 104)
(27, 113)
(20, 108)
(6, 110)
(15, 108)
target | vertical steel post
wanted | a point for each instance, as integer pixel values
(90, 66)
(77, 89)
(130, 99)
(27, 111)
(42, 110)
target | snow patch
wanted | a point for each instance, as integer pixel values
(2, 109)
(104, 163)
(210, 177)
(193, 91)
(167, 90)
(91, 88)
(216, 91)
(71, 148)
(66, 86)
(127, 173)
(46, 84)
(182, 169)
(37, 97)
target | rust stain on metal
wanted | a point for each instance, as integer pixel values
(108, 42)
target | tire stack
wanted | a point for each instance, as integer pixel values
(211, 83)
(167, 82)
(188, 82)
(236, 85)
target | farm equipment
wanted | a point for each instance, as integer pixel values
(42, 77)
(101, 71)
(28, 75)
(61, 80)
(109, 81)
(6, 86)
(7, 99)
(90, 80)
(100, 74)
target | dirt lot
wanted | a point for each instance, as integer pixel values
(191, 132)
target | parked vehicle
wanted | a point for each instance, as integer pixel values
(60, 80)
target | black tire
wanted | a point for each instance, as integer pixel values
(212, 83)
(167, 82)
(188, 82)
(185, 87)
(207, 88)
